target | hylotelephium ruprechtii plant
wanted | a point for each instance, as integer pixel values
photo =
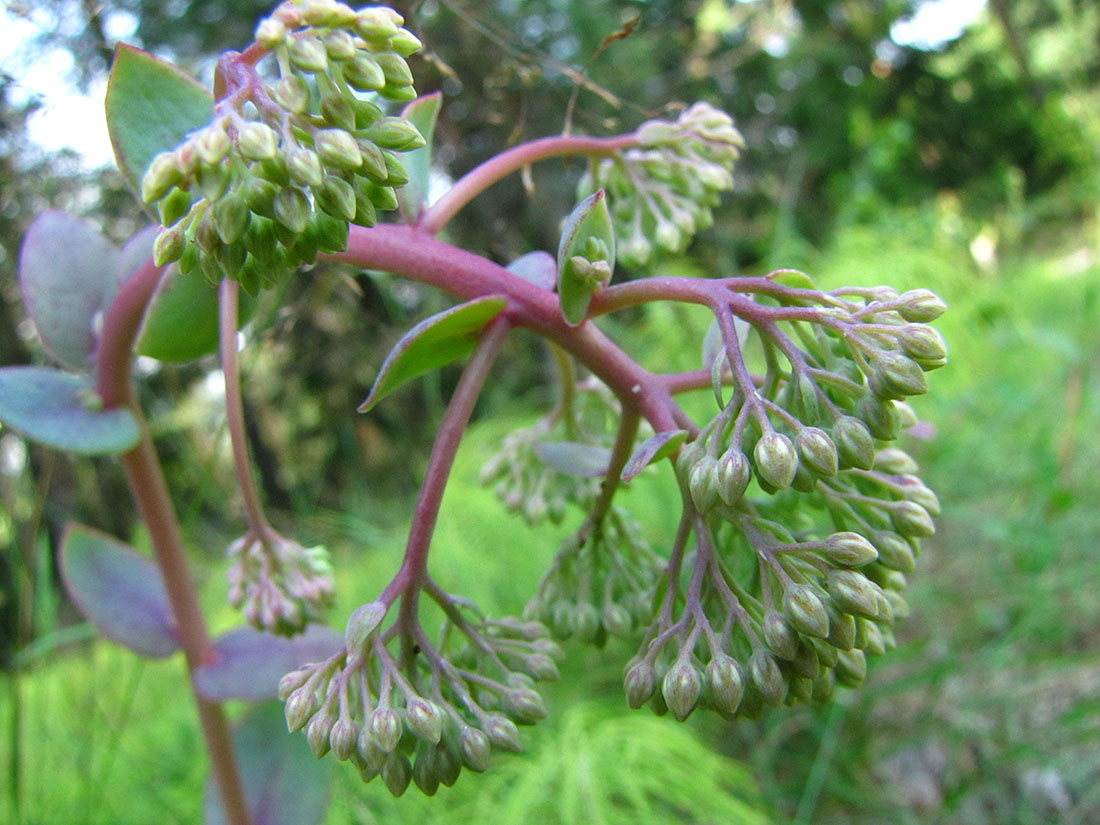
(800, 521)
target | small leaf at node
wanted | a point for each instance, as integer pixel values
(586, 256)
(653, 449)
(413, 196)
(67, 275)
(538, 268)
(283, 783)
(119, 591)
(574, 459)
(250, 662)
(60, 410)
(433, 343)
(792, 278)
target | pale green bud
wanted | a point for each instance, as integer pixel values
(921, 306)
(212, 144)
(374, 161)
(377, 22)
(424, 720)
(502, 732)
(542, 667)
(826, 653)
(369, 751)
(824, 686)
(473, 746)
(174, 206)
(291, 209)
(585, 621)
(895, 552)
(703, 483)
(169, 245)
(397, 773)
(270, 34)
(854, 593)
(307, 53)
(881, 418)
(533, 630)
(292, 681)
(896, 376)
(767, 678)
(343, 737)
(338, 148)
(338, 111)
(405, 43)
(162, 175)
(292, 93)
(339, 45)
(851, 668)
(395, 133)
(362, 624)
(849, 549)
(321, 12)
(639, 683)
(855, 447)
(525, 704)
(385, 726)
(364, 74)
(842, 629)
(776, 460)
(899, 608)
(424, 773)
(258, 141)
(895, 461)
(304, 166)
(805, 611)
(922, 343)
(869, 637)
(732, 475)
(817, 451)
(336, 197)
(910, 519)
(260, 194)
(231, 217)
(395, 69)
(617, 620)
(444, 764)
(725, 683)
(681, 688)
(778, 636)
(317, 733)
(668, 236)
(383, 197)
(805, 662)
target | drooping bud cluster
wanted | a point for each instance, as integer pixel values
(533, 486)
(663, 191)
(281, 170)
(601, 582)
(280, 584)
(806, 522)
(423, 715)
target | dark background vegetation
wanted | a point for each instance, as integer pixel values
(971, 166)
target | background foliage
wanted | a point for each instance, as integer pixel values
(970, 166)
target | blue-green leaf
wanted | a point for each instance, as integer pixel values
(413, 196)
(538, 268)
(62, 410)
(574, 458)
(653, 449)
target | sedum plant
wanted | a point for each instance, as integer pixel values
(800, 518)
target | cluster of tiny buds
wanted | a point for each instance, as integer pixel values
(365, 708)
(664, 190)
(280, 585)
(279, 173)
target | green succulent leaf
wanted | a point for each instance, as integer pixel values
(62, 410)
(119, 591)
(413, 196)
(181, 323)
(653, 449)
(586, 256)
(67, 273)
(574, 458)
(434, 342)
(151, 107)
(283, 783)
(792, 278)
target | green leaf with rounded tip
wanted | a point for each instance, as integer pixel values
(434, 342)
(181, 323)
(413, 196)
(590, 219)
(574, 458)
(151, 107)
(653, 449)
(250, 663)
(67, 276)
(538, 268)
(792, 278)
(61, 410)
(283, 783)
(119, 591)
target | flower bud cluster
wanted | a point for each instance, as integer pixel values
(280, 584)
(663, 191)
(600, 584)
(422, 716)
(282, 169)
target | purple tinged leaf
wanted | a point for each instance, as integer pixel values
(67, 276)
(135, 252)
(434, 342)
(283, 783)
(413, 196)
(60, 410)
(574, 459)
(250, 663)
(653, 449)
(538, 268)
(119, 591)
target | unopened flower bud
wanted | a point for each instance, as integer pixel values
(405, 43)
(776, 459)
(385, 726)
(851, 668)
(732, 476)
(842, 629)
(339, 45)
(377, 23)
(681, 688)
(911, 519)
(292, 681)
(317, 733)
(805, 662)
(881, 417)
(854, 593)
(212, 144)
(585, 622)
(849, 549)
(805, 611)
(395, 69)
(364, 74)
(258, 141)
(397, 773)
(725, 683)
(473, 746)
(162, 175)
(169, 245)
(703, 483)
(424, 720)
(895, 552)
(542, 667)
(617, 620)
(915, 490)
(304, 166)
(525, 705)
(174, 206)
(270, 33)
(343, 737)
(231, 216)
(921, 306)
(869, 638)
(308, 54)
(639, 683)
(291, 209)
(778, 636)
(292, 93)
(855, 446)
(362, 624)
(896, 376)
(338, 148)
(923, 344)
(817, 451)
(895, 461)
(502, 732)
(767, 678)
(395, 133)
(336, 197)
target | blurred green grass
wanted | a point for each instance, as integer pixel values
(988, 712)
